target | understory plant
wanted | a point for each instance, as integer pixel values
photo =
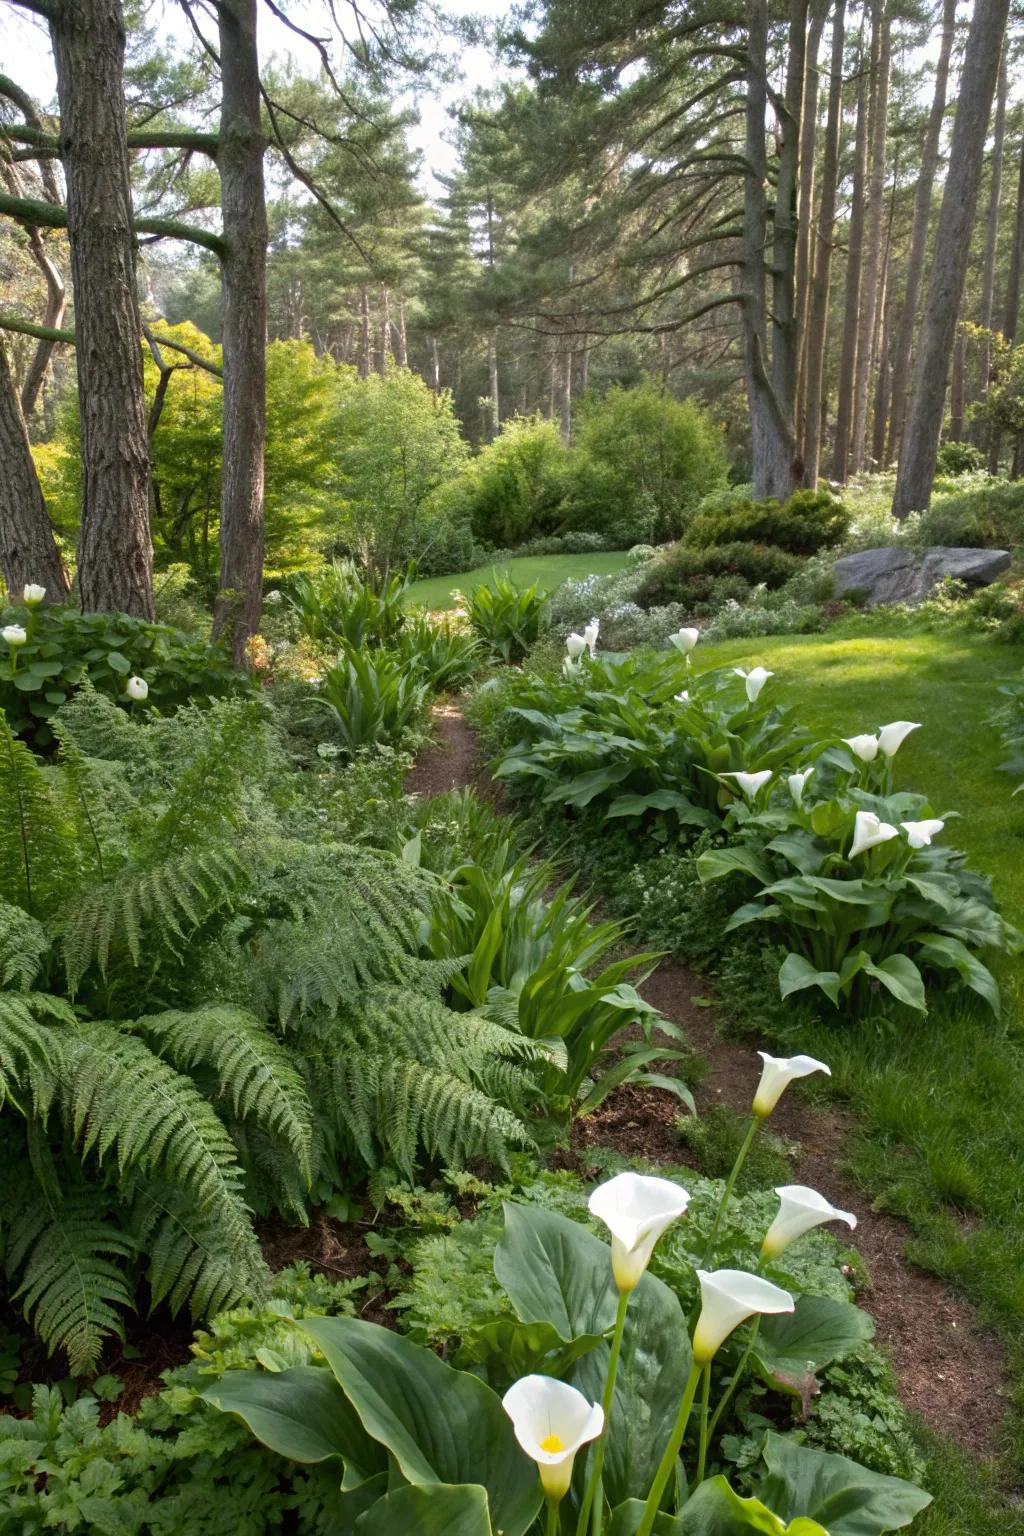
(1009, 722)
(507, 619)
(369, 698)
(339, 606)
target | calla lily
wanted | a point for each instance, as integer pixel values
(727, 1297)
(33, 595)
(891, 737)
(571, 668)
(754, 680)
(868, 832)
(800, 1209)
(684, 640)
(684, 697)
(137, 688)
(750, 783)
(590, 636)
(777, 1074)
(797, 783)
(920, 833)
(551, 1421)
(14, 635)
(636, 1209)
(575, 645)
(865, 747)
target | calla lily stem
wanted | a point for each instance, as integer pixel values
(593, 1499)
(730, 1184)
(552, 1521)
(734, 1381)
(668, 1461)
(705, 1402)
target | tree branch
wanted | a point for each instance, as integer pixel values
(48, 333)
(48, 216)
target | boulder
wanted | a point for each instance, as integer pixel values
(906, 575)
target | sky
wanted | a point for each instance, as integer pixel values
(25, 56)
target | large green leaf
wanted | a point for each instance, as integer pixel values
(714, 1509)
(793, 1346)
(941, 950)
(796, 974)
(553, 1270)
(901, 977)
(301, 1413)
(839, 1494)
(718, 862)
(429, 1511)
(440, 1425)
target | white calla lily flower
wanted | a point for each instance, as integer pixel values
(684, 697)
(727, 1298)
(868, 832)
(750, 783)
(777, 1074)
(684, 640)
(920, 833)
(571, 668)
(575, 645)
(800, 1210)
(754, 680)
(137, 688)
(891, 737)
(14, 635)
(636, 1209)
(797, 783)
(590, 635)
(552, 1421)
(865, 747)
(33, 595)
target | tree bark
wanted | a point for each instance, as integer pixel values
(817, 321)
(785, 338)
(958, 388)
(1011, 308)
(115, 557)
(364, 333)
(805, 216)
(988, 264)
(854, 260)
(244, 298)
(28, 549)
(868, 309)
(952, 249)
(492, 383)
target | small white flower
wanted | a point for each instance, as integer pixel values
(891, 737)
(750, 783)
(590, 636)
(727, 1297)
(551, 1421)
(755, 680)
(865, 747)
(33, 595)
(137, 688)
(14, 635)
(868, 832)
(575, 645)
(800, 1209)
(797, 783)
(777, 1074)
(920, 833)
(684, 697)
(636, 1209)
(274, 596)
(684, 640)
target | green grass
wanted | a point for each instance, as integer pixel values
(547, 570)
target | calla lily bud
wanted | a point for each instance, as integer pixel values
(868, 832)
(590, 634)
(33, 595)
(684, 640)
(750, 783)
(800, 1210)
(137, 688)
(920, 833)
(865, 747)
(891, 737)
(797, 783)
(552, 1421)
(777, 1074)
(575, 645)
(636, 1209)
(572, 668)
(754, 680)
(727, 1298)
(14, 635)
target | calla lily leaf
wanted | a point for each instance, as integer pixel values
(440, 1425)
(797, 974)
(801, 850)
(430, 1511)
(792, 1347)
(751, 912)
(509, 1349)
(840, 1495)
(901, 977)
(941, 950)
(553, 1270)
(714, 1509)
(718, 862)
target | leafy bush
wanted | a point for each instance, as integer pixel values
(508, 619)
(370, 698)
(988, 514)
(65, 649)
(808, 522)
(444, 654)
(336, 605)
(959, 459)
(514, 490)
(704, 578)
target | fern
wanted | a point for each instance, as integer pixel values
(23, 943)
(37, 846)
(30, 1054)
(189, 1262)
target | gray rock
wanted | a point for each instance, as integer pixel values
(909, 575)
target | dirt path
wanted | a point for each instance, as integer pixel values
(951, 1372)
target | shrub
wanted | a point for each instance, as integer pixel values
(508, 619)
(445, 655)
(370, 699)
(692, 577)
(337, 606)
(959, 459)
(515, 488)
(989, 515)
(808, 522)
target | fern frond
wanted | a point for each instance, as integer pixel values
(98, 805)
(23, 943)
(30, 1051)
(255, 1072)
(208, 790)
(37, 845)
(189, 1263)
(99, 728)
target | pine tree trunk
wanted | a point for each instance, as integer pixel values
(854, 260)
(817, 316)
(919, 236)
(492, 383)
(28, 550)
(384, 331)
(958, 389)
(804, 243)
(952, 250)
(1011, 306)
(988, 264)
(401, 344)
(878, 117)
(435, 366)
(364, 334)
(244, 294)
(785, 337)
(565, 396)
(115, 557)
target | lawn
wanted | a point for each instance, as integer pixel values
(547, 570)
